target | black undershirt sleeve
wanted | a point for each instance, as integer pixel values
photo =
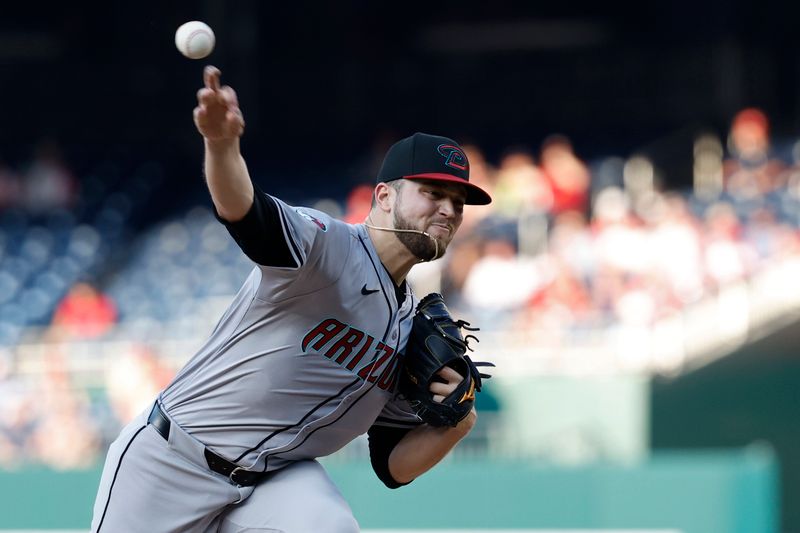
(382, 441)
(260, 233)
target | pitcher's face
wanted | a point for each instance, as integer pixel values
(433, 207)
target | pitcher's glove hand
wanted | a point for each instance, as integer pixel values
(435, 342)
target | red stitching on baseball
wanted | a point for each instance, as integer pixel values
(191, 35)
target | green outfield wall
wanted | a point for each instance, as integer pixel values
(710, 492)
(752, 395)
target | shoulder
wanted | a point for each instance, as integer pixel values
(320, 231)
(314, 218)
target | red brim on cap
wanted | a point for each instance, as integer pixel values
(475, 195)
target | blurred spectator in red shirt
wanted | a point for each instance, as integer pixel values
(564, 295)
(85, 312)
(751, 170)
(567, 175)
(358, 204)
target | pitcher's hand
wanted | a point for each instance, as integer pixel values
(450, 379)
(217, 115)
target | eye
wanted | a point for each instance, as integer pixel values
(433, 193)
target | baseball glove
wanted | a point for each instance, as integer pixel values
(435, 341)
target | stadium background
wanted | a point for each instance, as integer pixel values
(624, 398)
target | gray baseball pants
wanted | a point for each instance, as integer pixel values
(152, 485)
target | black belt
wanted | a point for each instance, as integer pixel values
(232, 471)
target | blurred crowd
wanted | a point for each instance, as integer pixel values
(559, 253)
(54, 419)
(565, 248)
(43, 184)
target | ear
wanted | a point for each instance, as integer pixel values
(384, 195)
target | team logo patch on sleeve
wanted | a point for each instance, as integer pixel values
(321, 225)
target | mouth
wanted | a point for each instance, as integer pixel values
(447, 229)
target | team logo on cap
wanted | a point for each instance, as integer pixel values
(453, 156)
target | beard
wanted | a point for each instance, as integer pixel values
(422, 246)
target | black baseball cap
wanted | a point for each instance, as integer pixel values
(430, 157)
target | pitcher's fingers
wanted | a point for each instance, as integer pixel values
(211, 76)
(450, 375)
(229, 95)
(200, 116)
(438, 398)
(234, 115)
(205, 96)
(442, 389)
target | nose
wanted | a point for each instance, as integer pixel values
(447, 208)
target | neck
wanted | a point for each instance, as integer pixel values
(396, 258)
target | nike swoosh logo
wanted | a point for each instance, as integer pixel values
(365, 291)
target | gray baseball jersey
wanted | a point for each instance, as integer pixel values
(305, 359)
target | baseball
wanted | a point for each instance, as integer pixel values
(195, 39)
